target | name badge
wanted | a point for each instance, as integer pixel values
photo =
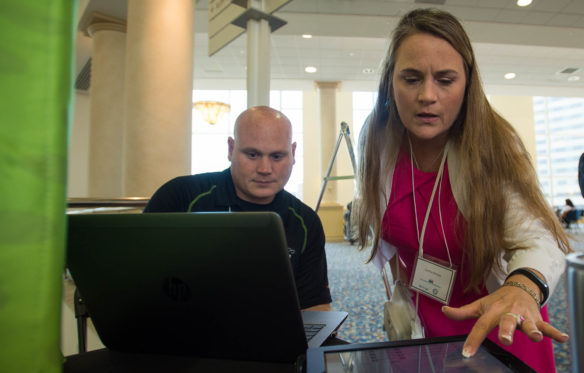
(433, 279)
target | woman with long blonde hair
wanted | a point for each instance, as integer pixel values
(446, 185)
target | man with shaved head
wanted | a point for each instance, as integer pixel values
(261, 155)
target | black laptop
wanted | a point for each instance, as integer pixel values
(216, 285)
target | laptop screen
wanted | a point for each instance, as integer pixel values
(202, 284)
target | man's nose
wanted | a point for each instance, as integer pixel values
(264, 165)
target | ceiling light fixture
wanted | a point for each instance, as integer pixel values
(306, 36)
(574, 78)
(310, 69)
(212, 111)
(569, 70)
(368, 70)
(509, 76)
(524, 2)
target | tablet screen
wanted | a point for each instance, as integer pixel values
(435, 357)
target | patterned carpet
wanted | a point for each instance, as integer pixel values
(358, 289)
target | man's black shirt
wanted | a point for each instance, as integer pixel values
(215, 191)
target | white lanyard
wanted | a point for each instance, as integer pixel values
(436, 183)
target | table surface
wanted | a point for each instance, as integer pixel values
(105, 360)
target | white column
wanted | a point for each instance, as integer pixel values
(329, 134)
(330, 210)
(159, 84)
(258, 58)
(106, 111)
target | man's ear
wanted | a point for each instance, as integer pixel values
(230, 146)
(294, 153)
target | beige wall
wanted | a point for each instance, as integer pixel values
(312, 135)
(78, 166)
(312, 173)
(345, 188)
(518, 110)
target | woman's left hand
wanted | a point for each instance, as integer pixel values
(510, 308)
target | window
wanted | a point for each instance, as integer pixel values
(363, 103)
(209, 142)
(290, 103)
(559, 136)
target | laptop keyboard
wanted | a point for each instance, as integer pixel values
(312, 329)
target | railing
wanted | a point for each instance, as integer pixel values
(128, 205)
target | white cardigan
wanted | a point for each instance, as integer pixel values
(543, 253)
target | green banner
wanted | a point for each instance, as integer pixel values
(35, 93)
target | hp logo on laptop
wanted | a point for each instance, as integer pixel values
(176, 289)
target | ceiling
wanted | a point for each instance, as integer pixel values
(350, 39)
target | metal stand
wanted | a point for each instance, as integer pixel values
(346, 134)
(81, 316)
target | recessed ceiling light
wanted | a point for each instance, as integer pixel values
(574, 78)
(306, 36)
(351, 54)
(510, 76)
(569, 70)
(368, 70)
(524, 2)
(310, 69)
(433, 2)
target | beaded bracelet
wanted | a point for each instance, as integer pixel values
(524, 287)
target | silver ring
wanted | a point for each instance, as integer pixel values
(518, 318)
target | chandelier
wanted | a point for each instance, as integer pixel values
(212, 111)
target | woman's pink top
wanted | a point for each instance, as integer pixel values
(399, 229)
